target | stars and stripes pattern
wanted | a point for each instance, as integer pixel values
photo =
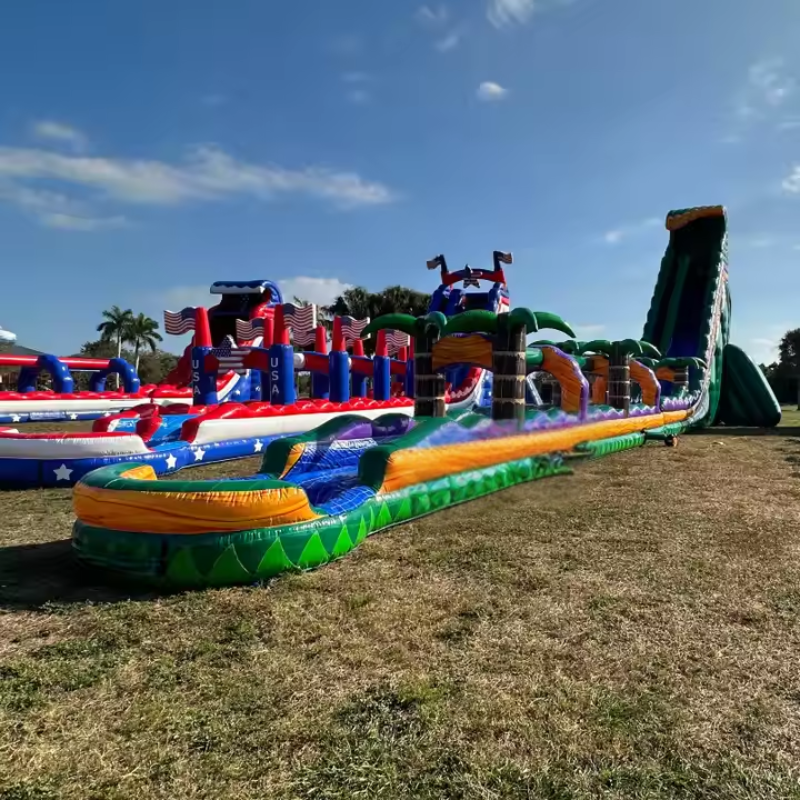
(230, 357)
(247, 330)
(395, 340)
(304, 338)
(302, 321)
(505, 258)
(353, 328)
(176, 323)
(300, 317)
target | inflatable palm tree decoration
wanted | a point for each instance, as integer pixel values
(509, 362)
(429, 386)
(680, 370)
(619, 370)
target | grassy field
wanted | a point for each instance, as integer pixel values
(631, 631)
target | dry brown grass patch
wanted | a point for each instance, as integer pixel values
(628, 632)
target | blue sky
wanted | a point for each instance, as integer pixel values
(150, 148)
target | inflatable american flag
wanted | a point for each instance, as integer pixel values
(302, 320)
(230, 357)
(396, 339)
(176, 323)
(353, 328)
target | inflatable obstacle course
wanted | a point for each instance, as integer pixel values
(242, 392)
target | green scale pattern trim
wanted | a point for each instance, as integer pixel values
(220, 559)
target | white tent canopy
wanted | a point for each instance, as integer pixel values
(6, 337)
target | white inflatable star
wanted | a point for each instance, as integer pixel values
(63, 473)
(199, 453)
(172, 462)
(259, 446)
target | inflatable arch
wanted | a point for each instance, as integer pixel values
(63, 382)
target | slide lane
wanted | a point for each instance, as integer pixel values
(303, 510)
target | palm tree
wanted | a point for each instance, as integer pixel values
(619, 371)
(509, 362)
(115, 327)
(429, 386)
(142, 331)
(680, 370)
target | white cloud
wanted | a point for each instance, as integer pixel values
(616, 235)
(763, 350)
(449, 42)
(59, 132)
(207, 174)
(426, 15)
(789, 125)
(55, 210)
(768, 82)
(791, 183)
(68, 222)
(767, 87)
(489, 91)
(322, 291)
(506, 12)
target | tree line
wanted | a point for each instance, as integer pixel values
(784, 374)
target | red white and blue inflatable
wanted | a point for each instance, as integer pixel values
(229, 400)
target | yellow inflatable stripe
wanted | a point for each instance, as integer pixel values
(407, 467)
(142, 472)
(190, 512)
(563, 368)
(647, 382)
(296, 451)
(471, 349)
(678, 221)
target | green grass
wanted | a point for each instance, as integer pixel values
(627, 632)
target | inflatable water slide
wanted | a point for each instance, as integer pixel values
(319, 494)
(234, 389)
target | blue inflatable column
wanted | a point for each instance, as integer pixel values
(281, 375)
(26, 382)
(204, 381)
(381, 378)
(339, 371)
(320, 388)
(358, 385)
(409, 387)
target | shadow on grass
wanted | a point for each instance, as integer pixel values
(35, 575)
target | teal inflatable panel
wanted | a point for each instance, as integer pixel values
(747, 398)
